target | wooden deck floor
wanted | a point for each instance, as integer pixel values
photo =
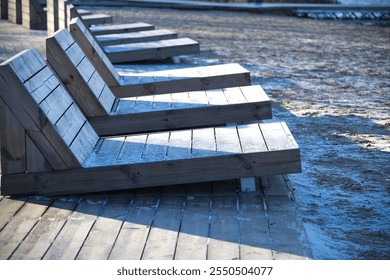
(195, 221)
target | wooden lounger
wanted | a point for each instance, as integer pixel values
(104, 29)
(89, 19)
(136, 37)
(112, 116)
(60, 45)
(33, 15)
(49, 147)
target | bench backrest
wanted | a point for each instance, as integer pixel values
(45, 109)
(94, 52)
(80, 77)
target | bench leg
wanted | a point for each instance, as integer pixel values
(175, 59)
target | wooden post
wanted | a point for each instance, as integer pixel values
(4, 9)
(52, 16)
(33, 15)
(62, 14)
(15, 11)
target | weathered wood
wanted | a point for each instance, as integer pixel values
(95, 19)
(39, 126)
(194, 230)
(135, 37)
(135, 230)
(36, 161)
(71, 237)
(15, 11)
(18, 228)
(33, 15)
(161, 242)
(13, 142)
(39, 239)
(9, 208)
(203, 165)
(104, 232)
(151, 50)
(4, 9)
(52, 16)
(92, 19)
(178, 80)
(120, 28)
(255, 241)
(224, 231)
(286, 235)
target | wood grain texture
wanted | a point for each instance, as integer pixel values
(133, 235)
(161, 242)
(104, 232)
(135, 37)
(120, 28)
(194, 231)
(39, 239)
(151, 50)
(72, 236)
(18, 228)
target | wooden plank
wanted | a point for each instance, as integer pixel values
(12, 140)
(56, 104)
(161, 242)
(120, 28)
(73, 234)
(194, 230)
(224, 231)
(15, 11)
(39, 239)
(110, 149)
(251, 138)
(285, 233)
(184, 79)
(104, 232)
(68, 126)
(74, 78)
(227, 140)
(133, 235)
(132, 149)
(151, 50)
(179, 145)
(9, 207)
(84, 143)
(36, 161)
(203, 142)
(135, 37)
(21, 224)
(95, 19)
(276, 137)
(94, 52)
(156, 147)
(254, 235)
(42, 84)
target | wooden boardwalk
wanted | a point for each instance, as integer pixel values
(195, 221)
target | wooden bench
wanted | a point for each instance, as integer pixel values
(158, 82)
(112, 116)
(50, 148)
(88, 19)
(136, 37)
